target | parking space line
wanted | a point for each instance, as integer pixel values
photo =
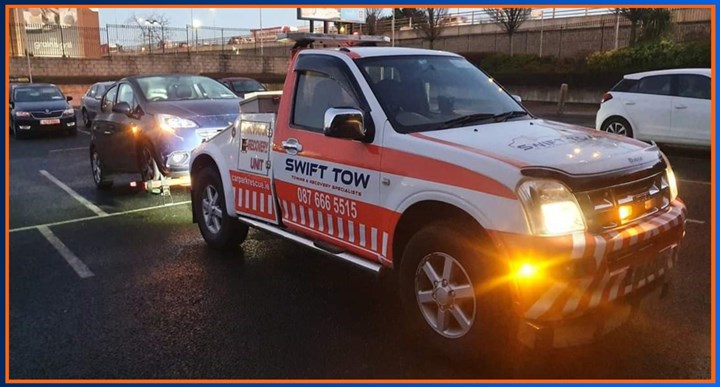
(74, 194)
(83, 131)
(694, 181)
(80, 268)
(26, 228)
(68, 149)
(695, 221)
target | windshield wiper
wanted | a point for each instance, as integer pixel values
(470, 118)
(502, 117)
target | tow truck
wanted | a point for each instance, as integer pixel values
(498, 226)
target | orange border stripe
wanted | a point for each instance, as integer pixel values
(712, 7)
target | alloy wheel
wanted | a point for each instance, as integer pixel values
(212, 213)
(445, 295)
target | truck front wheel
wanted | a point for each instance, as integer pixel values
(451, 295)
(219, 230)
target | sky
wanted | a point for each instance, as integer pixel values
(218, 17)
(245, 18)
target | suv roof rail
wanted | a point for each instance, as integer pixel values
(305, 39)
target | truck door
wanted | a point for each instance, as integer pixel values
(252, 179)
(328, 188)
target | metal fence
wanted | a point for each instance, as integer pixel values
(113, 39)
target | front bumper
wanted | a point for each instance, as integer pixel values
(175, 150)
(33, 125)
(586, 281)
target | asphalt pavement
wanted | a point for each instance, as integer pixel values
(120, 285)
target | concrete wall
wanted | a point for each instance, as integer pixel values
(68, 69)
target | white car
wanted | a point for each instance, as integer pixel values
(666, 106)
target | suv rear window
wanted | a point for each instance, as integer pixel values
(626, 86)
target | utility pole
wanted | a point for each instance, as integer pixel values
(617, 29)
(261, 35)
(393, 27)
(27, 43)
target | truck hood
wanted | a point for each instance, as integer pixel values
(528, 144)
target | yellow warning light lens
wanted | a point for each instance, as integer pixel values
(526, 271)
(625, 212)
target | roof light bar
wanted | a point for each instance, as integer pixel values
(304, 39)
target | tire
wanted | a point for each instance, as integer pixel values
(220, 231)
(619, 126)
(487, 331)
(86, 119)
(98, 171)
(149, 170)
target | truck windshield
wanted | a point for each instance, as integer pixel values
(433, 92)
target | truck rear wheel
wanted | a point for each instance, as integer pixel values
(450, 298)
(220, 230)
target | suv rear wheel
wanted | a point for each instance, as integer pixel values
(618, 125)
(220, 230)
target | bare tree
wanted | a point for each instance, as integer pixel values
(430, 23)
(510, 19)
(153, 29)
(372, 15)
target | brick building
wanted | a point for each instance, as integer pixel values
(55, 32)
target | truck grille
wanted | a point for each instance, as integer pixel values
(640, 198)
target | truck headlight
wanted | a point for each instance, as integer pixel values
(672, 182)
(550, 207)
(170, 123)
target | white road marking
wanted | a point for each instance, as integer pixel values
(97, 217)
(694, 181)
(83, 131)
(74, 194)
(696, 221)
(83, 148)
(80, 268)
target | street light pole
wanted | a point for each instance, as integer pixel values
(261, 34)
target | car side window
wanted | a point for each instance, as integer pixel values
(626, 86)
(693, 86)
(658, 85)
(109, 99)
(126, 94)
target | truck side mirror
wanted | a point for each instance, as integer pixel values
(517, 98)
(345, 123)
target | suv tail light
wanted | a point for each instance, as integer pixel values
(606, 97)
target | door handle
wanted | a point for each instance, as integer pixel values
(630, 103)
(680, 107)
(292, 146)
(107, 132)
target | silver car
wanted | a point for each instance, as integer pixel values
(90, 103)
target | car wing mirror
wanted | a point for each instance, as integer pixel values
(517, 98)
(68, 98)
(122, 108)
(344, 123)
